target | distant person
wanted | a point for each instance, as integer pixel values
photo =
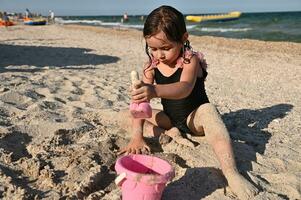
(5, 19)
(51, 17)
(176, 74)
(27, 13)
(125, 17)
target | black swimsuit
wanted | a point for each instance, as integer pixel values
(179, 109)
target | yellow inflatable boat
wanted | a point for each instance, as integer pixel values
(217, 17)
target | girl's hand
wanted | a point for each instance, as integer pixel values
(137, 145)
(142, 92)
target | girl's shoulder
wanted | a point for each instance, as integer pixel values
(149, 66)
(187, 57)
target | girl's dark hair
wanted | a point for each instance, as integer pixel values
(166, 19)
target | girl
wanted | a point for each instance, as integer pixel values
(179, 74)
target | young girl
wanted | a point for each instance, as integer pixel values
(179, 74)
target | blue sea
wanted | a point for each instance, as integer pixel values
(272, 26)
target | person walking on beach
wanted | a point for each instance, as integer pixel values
(51, 17)
(179, 74)
(125, 17)
(27, 13)
(5, 19)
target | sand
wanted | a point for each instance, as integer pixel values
(61, 88)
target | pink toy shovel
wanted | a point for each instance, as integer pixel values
(141, 110)
(142, 177)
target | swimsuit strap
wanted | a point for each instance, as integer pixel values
(181, 60)
(187, 55)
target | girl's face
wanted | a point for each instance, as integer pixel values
(162, 49)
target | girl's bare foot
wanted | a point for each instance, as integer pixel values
(175, 134)
(240, 186)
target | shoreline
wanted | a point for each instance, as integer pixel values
(191, 35)
(261, 26)
(61, 87)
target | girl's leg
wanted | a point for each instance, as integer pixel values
(136, 127)
(158, 125)
(153, 127)
(206, 120)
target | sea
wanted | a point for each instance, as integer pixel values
(269, 26)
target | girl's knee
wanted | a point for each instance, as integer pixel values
(208, 113)
(212, 122)
(204, 111)
(194, 122)
(207, 108)
(205, 118)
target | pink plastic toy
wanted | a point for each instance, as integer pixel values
(141, 110)
(142, 177)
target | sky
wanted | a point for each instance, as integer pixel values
(143, 7)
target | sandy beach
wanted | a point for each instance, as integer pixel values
(61, 87)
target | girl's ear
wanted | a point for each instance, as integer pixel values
(185, 37)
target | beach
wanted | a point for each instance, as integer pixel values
(62, 86)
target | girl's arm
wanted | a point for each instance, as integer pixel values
(137, 144)
(146, 90)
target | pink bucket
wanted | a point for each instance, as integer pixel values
(142, 177)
